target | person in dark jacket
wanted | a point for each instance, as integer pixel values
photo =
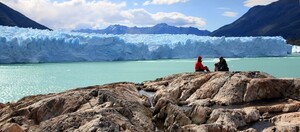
(199, 66)
(221, 65)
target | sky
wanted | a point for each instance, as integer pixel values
(98, 14)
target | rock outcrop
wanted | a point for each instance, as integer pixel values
(226, 101)
(215, 101)
(113, 107)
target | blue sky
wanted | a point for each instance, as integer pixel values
(98, 14)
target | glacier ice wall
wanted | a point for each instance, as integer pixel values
(23, 45)
(296, 49)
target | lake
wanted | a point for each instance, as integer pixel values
(19, 80)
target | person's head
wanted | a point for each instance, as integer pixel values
(199, 58)
(221, 58)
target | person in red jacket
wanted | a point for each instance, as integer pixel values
(199, 66)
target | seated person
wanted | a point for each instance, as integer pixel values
(199, 66)
(221, 65)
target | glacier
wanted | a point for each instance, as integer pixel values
(296, 49)
(25, 45)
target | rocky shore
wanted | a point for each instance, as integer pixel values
(212, 102)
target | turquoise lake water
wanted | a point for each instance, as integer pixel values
(19, 80)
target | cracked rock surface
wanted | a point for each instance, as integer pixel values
(214, 101)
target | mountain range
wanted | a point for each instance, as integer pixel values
(161, 28)
(10, 17)
(281, 18)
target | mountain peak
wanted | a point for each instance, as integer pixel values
(161, 25)
(116, 26)
(10, 17)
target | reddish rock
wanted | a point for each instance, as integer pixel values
(12, 127)
(2, 105)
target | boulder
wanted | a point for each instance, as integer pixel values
(266, 88)
(293, 91)
(172, 115)
(209, 88)
(208, 128)
(287, 119)
(232, 91)
(232, 118)
(12, 127)
(282, 129)
(199, 114)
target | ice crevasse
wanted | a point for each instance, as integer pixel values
(24, 45)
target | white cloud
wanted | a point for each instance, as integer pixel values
(146, 3)
(229, 14)
(223, 8)
(251, 3)
(142, 17)
(164, 2)
(68, 14)
(135, 4)
(76, 14)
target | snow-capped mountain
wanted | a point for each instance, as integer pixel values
(161, 28)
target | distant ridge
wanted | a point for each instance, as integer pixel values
(10, 17)
(281, 18)
(161, 28)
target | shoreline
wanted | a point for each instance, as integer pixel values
(295, 54)
(58, 77)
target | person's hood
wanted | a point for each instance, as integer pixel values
(199, 58)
